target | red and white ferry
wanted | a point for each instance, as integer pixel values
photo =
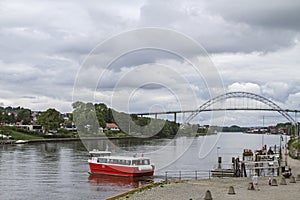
(101, 162)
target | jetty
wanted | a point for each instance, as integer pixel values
(262, 162)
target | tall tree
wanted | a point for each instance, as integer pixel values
(85, 117)
(50, 119)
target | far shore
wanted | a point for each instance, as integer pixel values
(45, 140)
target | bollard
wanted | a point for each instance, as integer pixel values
(282, 182)
(298, 177)
(208, 195)
(292, 179)
(274, 182)
(231, 190)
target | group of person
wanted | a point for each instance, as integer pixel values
(286, 174)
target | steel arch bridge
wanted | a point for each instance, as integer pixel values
(272, 106)
(207, 106)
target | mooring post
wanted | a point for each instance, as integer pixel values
(196, 175)
(219, 162)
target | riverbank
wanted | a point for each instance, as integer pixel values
(219, 188)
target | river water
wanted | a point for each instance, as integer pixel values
(60, 170)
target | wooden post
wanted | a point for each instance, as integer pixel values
(166, 176)
(179, 175)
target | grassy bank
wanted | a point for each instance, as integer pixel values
(294, 146)
(18, 134)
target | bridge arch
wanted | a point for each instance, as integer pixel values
(248, 95)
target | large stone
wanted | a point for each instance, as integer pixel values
(250, 186)
(231, 190)
(298, 177)
(274, 182)
(292, 179)
(208, 195)
(282, 182)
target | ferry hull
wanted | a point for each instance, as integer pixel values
(129, 171)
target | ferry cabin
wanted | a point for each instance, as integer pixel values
(103, 163)
(133, 161)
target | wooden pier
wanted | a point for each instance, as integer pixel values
(262, 162)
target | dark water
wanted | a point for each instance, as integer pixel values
(60, 170)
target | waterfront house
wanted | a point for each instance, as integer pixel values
(112, 127)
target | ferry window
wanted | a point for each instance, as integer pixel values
(103, 160)
(128, 162)
(134, 162)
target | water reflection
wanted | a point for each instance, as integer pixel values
(105, 183)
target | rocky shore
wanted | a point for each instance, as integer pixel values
(219, 188)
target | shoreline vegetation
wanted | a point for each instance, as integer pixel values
(294, 148)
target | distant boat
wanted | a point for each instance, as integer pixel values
(101, 162)
(21, 142)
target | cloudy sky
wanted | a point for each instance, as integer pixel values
(49, 47)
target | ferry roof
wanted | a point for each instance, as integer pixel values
(117, 157)
(97, 151)
(128, 158)
(124, 157)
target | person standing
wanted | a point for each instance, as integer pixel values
(255, 181)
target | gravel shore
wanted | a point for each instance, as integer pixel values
(219, 187)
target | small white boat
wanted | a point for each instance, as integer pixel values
(21, 142)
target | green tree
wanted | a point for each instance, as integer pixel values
(85, 117)
(24, 115)
(50, 119)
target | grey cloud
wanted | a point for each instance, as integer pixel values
(208, 23)
(275, 14)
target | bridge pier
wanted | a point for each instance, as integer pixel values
(175, 117)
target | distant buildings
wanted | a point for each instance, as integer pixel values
(112, 127)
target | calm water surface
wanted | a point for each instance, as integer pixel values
(60, 170)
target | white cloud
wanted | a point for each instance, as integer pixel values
(277, 90)
(293, 101)
(244, 87)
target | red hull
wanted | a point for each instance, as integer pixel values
(119, 170)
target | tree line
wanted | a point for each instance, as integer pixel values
(89, 118)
